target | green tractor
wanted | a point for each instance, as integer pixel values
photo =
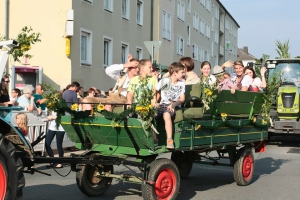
(285, 123)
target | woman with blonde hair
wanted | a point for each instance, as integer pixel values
(22, 123)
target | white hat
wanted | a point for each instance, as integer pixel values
(218, 71)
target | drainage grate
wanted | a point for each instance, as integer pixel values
(294, 150)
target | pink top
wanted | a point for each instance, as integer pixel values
(226, 84)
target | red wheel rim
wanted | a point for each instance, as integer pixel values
(165, 184)
(247, 167)
(2, 182)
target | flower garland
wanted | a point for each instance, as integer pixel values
(208, 93)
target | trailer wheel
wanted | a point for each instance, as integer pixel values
(244, 167)
(163, 181)
(90, 183)
(12, 179)
(183, 162)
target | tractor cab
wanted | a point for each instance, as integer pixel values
(285, 113)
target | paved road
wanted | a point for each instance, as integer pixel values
(277, 176)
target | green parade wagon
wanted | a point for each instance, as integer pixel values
(231, 126)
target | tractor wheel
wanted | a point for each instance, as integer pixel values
(163, 181)
(183, 162)
(244, 167)
(12, 179)
(89, 181)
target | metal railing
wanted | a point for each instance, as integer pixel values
(36, 126)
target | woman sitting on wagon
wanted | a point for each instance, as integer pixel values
(257, 83)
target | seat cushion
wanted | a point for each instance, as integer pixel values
(193, 113)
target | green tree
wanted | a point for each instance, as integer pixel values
(297, 57)
(283, 49)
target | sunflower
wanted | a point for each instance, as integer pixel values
(74, 106)
(264, 121)
(209, 93)
(223, 115)
(100, 107)
(207, 90)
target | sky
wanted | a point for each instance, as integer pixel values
(262, 22)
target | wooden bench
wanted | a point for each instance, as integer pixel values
(241, 104)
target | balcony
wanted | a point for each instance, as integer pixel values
(221, 50)
(222, 27)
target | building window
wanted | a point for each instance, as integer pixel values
(195, 52)
(196, 21)
(86, 47)
(208, 4)
(207, 28)
(201, 54)
(212, 49)
(108, 5)
(180, 45)
(107, 51)
(139, 53)
(227, 45)
(216, 37)
(188, 41)
(217, 13)
(139, 12)
(125, 8)
(216, 60)
(180, 10)
(189, 6)
(124, 52)
(202, 26)
(166, 23)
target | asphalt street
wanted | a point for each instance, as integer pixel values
(277, 176)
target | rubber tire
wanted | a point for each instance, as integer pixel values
(12, 167)
(244, 158)
(183, 163)
(156, 168)
(85, 184)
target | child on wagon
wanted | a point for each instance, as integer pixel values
(224, 83)
(22, 124)
(171, 97)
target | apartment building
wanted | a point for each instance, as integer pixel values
(202, 29)
(103, 32)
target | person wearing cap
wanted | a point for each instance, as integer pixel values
(27, 100)
(223, 83)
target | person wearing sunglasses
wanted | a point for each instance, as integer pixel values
(4, 95)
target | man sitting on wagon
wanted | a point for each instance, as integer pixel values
(145, 68)
(118, 94)
(171, 97)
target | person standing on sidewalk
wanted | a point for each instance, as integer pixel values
(59, 133)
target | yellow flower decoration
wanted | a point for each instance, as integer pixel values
(100, 107)
(264, 121)
(223, 115)
(254, 119)
(50, 105)
(117, 125)
(74, 106)
(207, 90)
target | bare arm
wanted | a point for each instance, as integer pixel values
(129, 97)
(263, 78)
